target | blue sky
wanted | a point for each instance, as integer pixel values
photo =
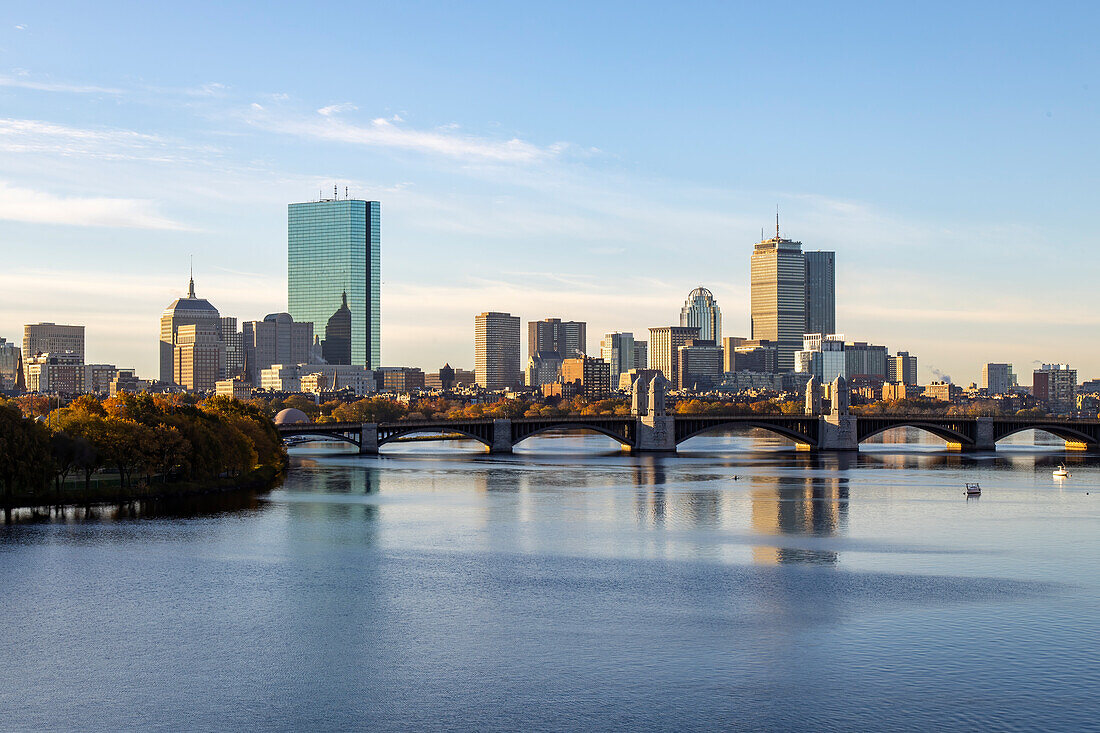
(593, 163)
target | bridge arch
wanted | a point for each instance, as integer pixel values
(341, 437)
(940, 431)
(392, 436)
(626, 440)
(1064, 432)
(784, 431)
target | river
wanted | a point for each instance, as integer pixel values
(736, 585)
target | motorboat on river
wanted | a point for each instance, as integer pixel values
(973, 489)
(1061, 472)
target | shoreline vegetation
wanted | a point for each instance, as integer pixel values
(134, 448)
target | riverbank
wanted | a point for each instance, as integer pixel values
(260, 479)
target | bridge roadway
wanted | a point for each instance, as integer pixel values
(664, 433)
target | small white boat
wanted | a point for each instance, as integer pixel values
(973, 489)
(1061, 472)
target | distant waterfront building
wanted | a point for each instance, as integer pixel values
(702, 311)
(567, 338)
(820, 292)
(997, 378)
(699, 366)
(902, 391)
(11, 366)
(189, 311)
(400, 379)
(1055, 385)
(543, 368)
(496, 350)
(751, 355)
(617, 349)
(236, 388)
(98, 378)
(55, 373)
(778, 295)
(663, 344)
(336, 377)
(729, 353)
(333, 271)
(51, 338)
(126, 380)
(902, 367)
(641, 354)
(943, 391)
(822, 356)
(587, 376)
(198, 357)
(277, 339)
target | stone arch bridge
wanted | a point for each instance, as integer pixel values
(664, 433)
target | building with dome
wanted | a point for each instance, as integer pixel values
(702, 311)
(205, 343)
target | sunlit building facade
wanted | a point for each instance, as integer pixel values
(617, 349)
(702, 311)
(496, 350)
(778, 296)
(333, 275)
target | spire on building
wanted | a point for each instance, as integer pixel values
(777, 221)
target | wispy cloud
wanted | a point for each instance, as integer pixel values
(390, 133)
(53, 86)
(38, 136)
(336, 109)
(26, 205)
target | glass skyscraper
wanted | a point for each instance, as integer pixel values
(820, 292)
(702, 311)
(333, 276)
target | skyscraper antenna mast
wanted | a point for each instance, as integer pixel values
(777, 221)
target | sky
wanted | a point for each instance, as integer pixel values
(589, 161)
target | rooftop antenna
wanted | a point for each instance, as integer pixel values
(336, 192)
(191, 284)
(345, 192)
(777, 221)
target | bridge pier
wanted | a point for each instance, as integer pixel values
(837, 433)
(502, 436)
(368, 439)
(655, 434)
(983, 437)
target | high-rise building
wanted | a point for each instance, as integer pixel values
(822, 356)
(778, 295)
(617, 349)
(48, 373)
(702, 311)
(750, 355)
(587, 375)
(902, 368)
(496, 350)
(11, 365)
(865, 360)
(820, 292)
(729, 356)
(997, 378)
(543, 367)
(198, 357)
(567, 338)
(234, 348)
(663, 345)
(641, 354)
(189, 311)
(699, 365)
(333, 253)
(277, 339)
(51, 338)
(1055, 385)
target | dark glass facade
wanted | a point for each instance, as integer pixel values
(332, 254)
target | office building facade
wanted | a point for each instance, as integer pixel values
(496, 350)
(699, 366)
(11, 366)
(1055, 385)
(277, 339)
(586, 375)
(51, 338)
(902, 367)
(198, 357)
(778, 295)
(617, 349)
(865, 361)
(567, 338)
(333, 276)
(822, 356)
(997, 378)
(663, 344)
(820, 292)
(189, 311)
(702, 311)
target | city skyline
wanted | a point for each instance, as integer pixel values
(109, 178)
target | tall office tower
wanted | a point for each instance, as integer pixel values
(820, 292)
(1055, 385)
(234, 348)
(663, 345)
(51, 338)
(641, 354)
(702, 311)
(778, 302)
(198, 356)
(617, 349)
(822, 356)
(11, 364)
(902, 368)
(729, 357)
(496, 350)
(865, 360)
(567, 338)
(277, 339)
(997, 378)
(189, 311)
(333, 276)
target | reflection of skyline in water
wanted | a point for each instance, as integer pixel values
(809, 506)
